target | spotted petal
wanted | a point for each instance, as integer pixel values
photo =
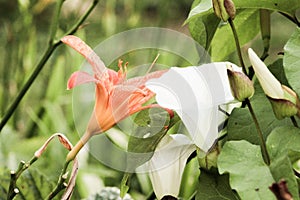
(82, 48)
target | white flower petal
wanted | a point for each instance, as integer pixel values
(167, 164)
(271, 86)
(195, 93)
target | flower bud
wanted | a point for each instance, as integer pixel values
(284, 101)
(224, 9)
(208, 160)
(287, 107)
(230, 8)
(241, 86)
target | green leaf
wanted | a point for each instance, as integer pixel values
(203, 29)
(202, 8)
(284, 140)
(283, 145)
(240, 123)
(291, 60)
(213, 186)
(151, 127)
(276, 5)
(277, 70)
(281, 168)
(249, 175)
(247, 27)
(32, 185)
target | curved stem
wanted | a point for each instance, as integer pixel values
(264, 150)
(238, 46)
(72, 154)
(291, 18)
(50, 49)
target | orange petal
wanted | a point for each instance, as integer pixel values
(81, 47)
(78, 78)
(140, 81)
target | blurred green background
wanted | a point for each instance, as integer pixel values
(47, 107)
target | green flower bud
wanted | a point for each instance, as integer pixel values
(208, 160)
(241, 86)
(287, 106)
(224, 9)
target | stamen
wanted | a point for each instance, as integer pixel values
(154, 61)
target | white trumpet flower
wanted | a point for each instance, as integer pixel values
(195, 93)
(167, 164)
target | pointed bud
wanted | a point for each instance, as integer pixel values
(284, 101)
(241, 86)
(270, 85)
(224, 9)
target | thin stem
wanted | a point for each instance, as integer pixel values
(291, 18)
(294, 121)
(61, 182)
(74, 151)
(52, 46)
(264, 150)
(265, 153)
(82, 19)
(13, 190)
(238, 46)
(54, 25)
(27, 85)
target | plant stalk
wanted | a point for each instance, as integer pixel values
(61, 182)
(238, 46)
(265, 153)
(50, 49)
(263, 146)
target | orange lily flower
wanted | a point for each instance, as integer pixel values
(116, 97)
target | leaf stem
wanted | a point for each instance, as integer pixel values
(14, 175)
(40, 65)
(238, 46)
(294, 121)
(61, 184)
(264, 150)
(291, 18)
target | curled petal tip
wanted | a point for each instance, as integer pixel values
(78, 78)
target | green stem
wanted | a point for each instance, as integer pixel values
(294, 121)
(52, 46)
(238, 46)
(292, 18)
(265, 153)
(13, 190)
(61, 182)
(54, 25)
(74, 151)
(263, 146)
